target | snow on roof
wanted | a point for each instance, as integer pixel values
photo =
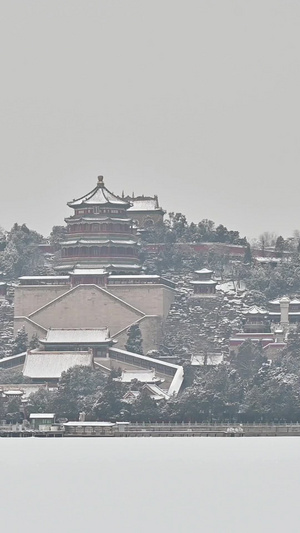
(104, 264)
(143, 357)
(144, 204)
(13, 392)
(209, 360)
(97, 241)
(255, 310)
(42, 415)
(251, 335)
(204, 282)
(100, 195)
(157, 392)
(51, 365)
(125, 266)
(88, 424)
(144, 376)
(135, 277)
(231, 286)
(44, 278)
(176, 382)
(82, 335)
(268, 259)
(294, 301)
(178, 375)
(93, 218)
(203, 271)
(88, 272)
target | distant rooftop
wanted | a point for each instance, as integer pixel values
(51, 365)
(79, 335)
(100, 195)
(255, 310)
(144, 203)
(88, 272)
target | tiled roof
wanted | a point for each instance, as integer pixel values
(82, 335)
(144, 204)
(203, 271)
(97, 241)
(51, 365)
(255, 310)
(99, 196)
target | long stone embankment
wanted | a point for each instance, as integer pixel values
(157, 430)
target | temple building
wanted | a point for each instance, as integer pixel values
(99, 234)
(256, 320)
(96, 295)
(96, 340)
(145, 211)
(97, 283)
(204, 286)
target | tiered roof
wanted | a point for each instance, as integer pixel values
(100, 195)
(77, 336)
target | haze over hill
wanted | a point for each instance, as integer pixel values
(196, 102)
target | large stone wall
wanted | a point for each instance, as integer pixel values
(39, 308)
(30, 298)
(87, 306)
(151, 299)
(151, 329)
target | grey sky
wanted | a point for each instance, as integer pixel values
(196, 101)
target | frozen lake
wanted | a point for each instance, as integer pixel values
(150, 485)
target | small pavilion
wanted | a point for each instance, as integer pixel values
(256, 320)
(204, 286)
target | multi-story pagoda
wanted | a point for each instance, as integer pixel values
(204, 286)
(100, 234)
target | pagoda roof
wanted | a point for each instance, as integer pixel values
(75, 336)
(204, 282)
(92, 218)
(100, 195)
(255, 310)
(204, 271)
(97, 241)
(88, 272)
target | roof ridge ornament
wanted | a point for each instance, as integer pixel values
(100, 181)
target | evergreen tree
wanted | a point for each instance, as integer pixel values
(135, 340)
(20, 343)
(34, 342)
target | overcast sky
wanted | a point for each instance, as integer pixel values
(196, 101)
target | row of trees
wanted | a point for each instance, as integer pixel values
(244, 389)
(177, 229)
(20, 254)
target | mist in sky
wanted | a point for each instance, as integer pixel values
(196, 101)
